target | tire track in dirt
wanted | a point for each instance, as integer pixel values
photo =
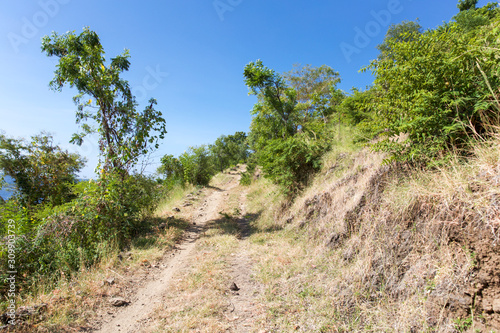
(244, 305)
(136, 316)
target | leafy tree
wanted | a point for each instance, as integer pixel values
(197, 165)
(438, 88)
(105, 102)
(291, 162)
(317, 96)
(275, 112)
(230, 150)
(474, 18)
(464, 5)
(171, 167)
(42, 171)
(402, 32)
(287, 130)
(358, 106)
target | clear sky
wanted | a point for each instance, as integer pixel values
(190, 55)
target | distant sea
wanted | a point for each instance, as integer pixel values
(6, 192)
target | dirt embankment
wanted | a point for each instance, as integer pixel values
(422, 253)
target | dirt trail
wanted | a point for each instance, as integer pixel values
(135, 317)
(245, 306)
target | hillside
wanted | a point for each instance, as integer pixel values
(365, 248)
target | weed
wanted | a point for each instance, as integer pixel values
(462, 325)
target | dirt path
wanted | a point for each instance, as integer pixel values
(136, 316)
(244, 301)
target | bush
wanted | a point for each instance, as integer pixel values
(440, 88)
(105, 215)
(291, 162)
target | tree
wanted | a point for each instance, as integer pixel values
(197, 165)
(286, 130)
(464, 5)
(439, 88)
(275, 111)
(42, 171)
(317, 96)
(402, 32)
(230, 150)
(171, 167)
(473, 18)
(105, 103)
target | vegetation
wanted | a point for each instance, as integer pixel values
(197, 165)
(364, 177)
(290, 127)
(124, 133)
(440, 88)
(42, 171)
(64, 225)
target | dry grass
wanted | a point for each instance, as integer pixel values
(198, 301)
(368, 248)
(73, 303)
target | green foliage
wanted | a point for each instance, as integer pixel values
(463, 325)
(317, 96)
(197, 165)
(246, 179)
(465, 5)
(289, 127)
(402, 32)
(79, 233)
(105, 103)
(439, 87)
(229, 150)
(358, 106)
(291, 162)
(275, 113)
(42, 171)
(473, 18)
(171, 168)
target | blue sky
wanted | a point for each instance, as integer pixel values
(190, 55)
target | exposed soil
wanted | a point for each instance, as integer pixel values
(244, 306)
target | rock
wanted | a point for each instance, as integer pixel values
(175, 209)
(109, 281)
(234, 287)
(186, 204)
(496, 305)
(118, 301)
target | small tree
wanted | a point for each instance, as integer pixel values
(275, 111)
(105, 103)
(464, 5)
(42, 171)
